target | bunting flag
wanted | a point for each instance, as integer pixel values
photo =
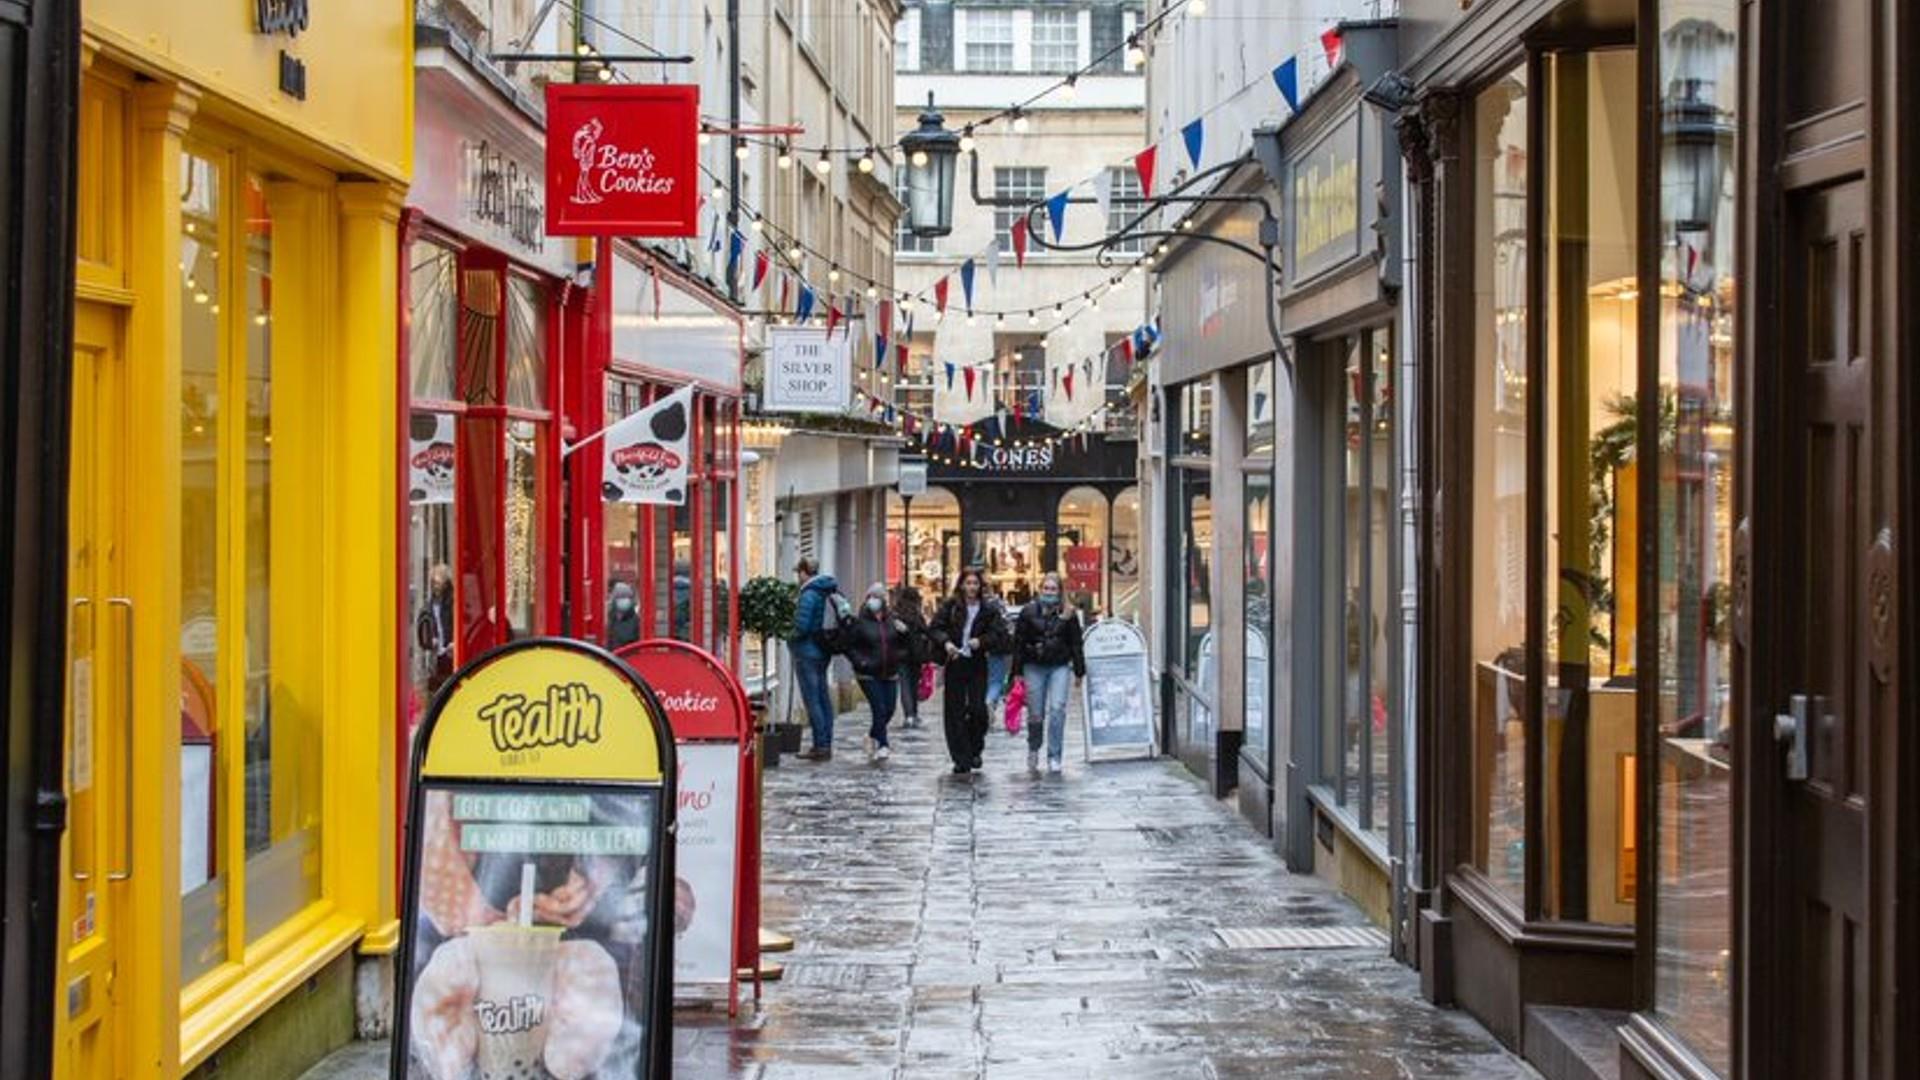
(993, 264)
(713, 235)
(1693, 259)
(803, 310)
(966, 282)
(1287, 78)
(900, 358)
(949, 376)
(1126, 347)
(760, 263)
(883, 328)
(940, 295)
(1143, 164)
(736, 246)
(1018, 416)
(971, 375)
(879, 351)
(786, 284)
(1057, 214)
(1067, 381)
(833, 317)
(1019, 234)
(1103, 194)
(1330, 41)
(1193, 134)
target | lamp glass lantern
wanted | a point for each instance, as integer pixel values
(930, 186)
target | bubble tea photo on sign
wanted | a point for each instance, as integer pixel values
(531, 935)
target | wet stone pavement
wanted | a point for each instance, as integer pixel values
(1018, 925)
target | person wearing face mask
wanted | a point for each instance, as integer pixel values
(433, 630)
(875, 644)
(623, 617)
(968, 627)
(1047, 646)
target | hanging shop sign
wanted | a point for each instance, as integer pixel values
(430, 457)
(623, 160)
(716, 889)
(1326, 201)
(808, 370)
(645, 453)
(540, 846)
(1117, 693)
(913, 477)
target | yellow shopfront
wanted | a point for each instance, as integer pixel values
(231, 559)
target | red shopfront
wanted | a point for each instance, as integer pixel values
(665, 330)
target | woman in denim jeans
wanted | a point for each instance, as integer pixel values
(1046, 642)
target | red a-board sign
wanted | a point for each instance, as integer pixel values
(623, 160)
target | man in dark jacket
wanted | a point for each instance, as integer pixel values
(970, 625)
(1046, 644)
(816, 620)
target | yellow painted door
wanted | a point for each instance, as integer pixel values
(95, 859)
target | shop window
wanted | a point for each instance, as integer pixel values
(526, 584)
(432, 452)
(989, 39)
(434, 310)
(1196, 608)
(1258, 611)
(1195, 431)
(1590, 493)
(1123, 555)
(1011, 560)
(928, 528)
(1698, 54)
(1056, 41)
(526, 344)
(1361, 528)
(1081, 525)
(251, 752)
(1498, 591)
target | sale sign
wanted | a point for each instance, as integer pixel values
(623, 160)
(1084, 566)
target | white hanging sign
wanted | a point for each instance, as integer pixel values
(807, 370)
(645, 454)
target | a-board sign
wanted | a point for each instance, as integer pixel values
(716, 921)
(1117, 692)
(540, 845)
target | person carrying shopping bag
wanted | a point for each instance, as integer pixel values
(916, 654)
(1046, 643)
(875, 643)
(968, 627)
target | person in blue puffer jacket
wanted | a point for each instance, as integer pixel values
(816, 620)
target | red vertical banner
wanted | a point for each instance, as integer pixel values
(623, 160)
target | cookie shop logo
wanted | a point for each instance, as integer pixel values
(436, 460)
(512, 1016)
(610, 169)
(568, 715)
(650, 459)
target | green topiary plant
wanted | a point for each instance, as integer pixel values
(766, 607)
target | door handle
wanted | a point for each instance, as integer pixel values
(126, 733)
(73, 612)
(1790, 728)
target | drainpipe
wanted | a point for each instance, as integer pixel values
(733, 122)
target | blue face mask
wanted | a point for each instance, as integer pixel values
(623, 604)
(1049, 600)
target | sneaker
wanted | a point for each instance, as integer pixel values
(976, 762)
(962, 770)
(883, 753)
(1053, 767)
(1033, 761)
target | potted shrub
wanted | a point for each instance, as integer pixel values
(766, 610)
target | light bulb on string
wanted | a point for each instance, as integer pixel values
(1033, 318)
(1135, 54)
(719, 192)
(1000, 319)
(824, 165)
(740, 150)
(606, 74)
(865, 164)
(1059, 309)
(785, 160)
(833, 275)
(1070, 89)
(758, 225)
(1196, 7)
(969, 318)
(966, 139)
(705, 135)
(1020, 123)
(794, 253)
(873, 293)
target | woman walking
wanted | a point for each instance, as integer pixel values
(968, 627)
(1046, 641)
(911, 618)
(875, 644)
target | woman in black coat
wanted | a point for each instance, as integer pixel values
(876, 645)
(970, 625)
(910, 618)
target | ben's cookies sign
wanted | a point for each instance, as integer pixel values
(623, 160)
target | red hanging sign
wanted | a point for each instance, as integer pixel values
(623, 160)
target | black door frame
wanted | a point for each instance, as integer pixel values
(39, 85)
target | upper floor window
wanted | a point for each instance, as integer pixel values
(989, 39)
(1025, 183)
(1056, 40)
(1124, 207)
(906, 41)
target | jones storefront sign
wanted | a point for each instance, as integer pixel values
(540, 852)
(808, 371)
(623, 160)
(1018, 458)
(1326, 201)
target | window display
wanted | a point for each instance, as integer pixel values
(1498, 548)
(1698, 58)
